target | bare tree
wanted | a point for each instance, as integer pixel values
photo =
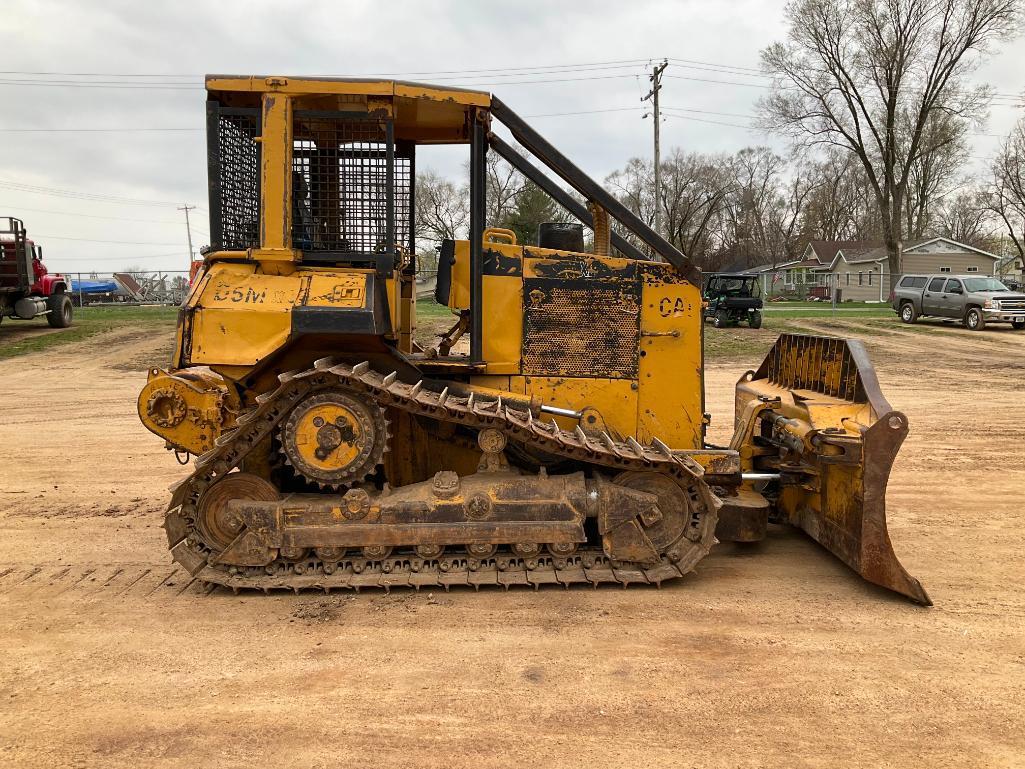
(965, 218)
(871, 76)
(442, 209)
(1005, 196)
(504, 185)
(840, 204)
(934, 176)
(694, 190)
(635, 187)
(762, 212)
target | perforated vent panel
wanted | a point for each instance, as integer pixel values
(580, 328)
(234, 164)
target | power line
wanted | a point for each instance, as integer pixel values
(111, 258)
(80, 195)
(707, 112)
(718, 82)
(19, 207)
(94, 240)
(90, 130)
(713, 122)
(585, 112)
(558, 80)
(721, 70)
(637, 62)
(92, 84)
(92, 74)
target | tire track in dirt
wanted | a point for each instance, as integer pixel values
(42, 581)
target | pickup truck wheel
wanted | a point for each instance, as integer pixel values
(973, 319)
(59, 306)
(721, 319)
(1018, 325)
(754, 320)
(908, 313)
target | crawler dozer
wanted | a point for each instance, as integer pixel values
(564, 444)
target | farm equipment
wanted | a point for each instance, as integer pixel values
(567, 446)
(730, 299)
(27, 289)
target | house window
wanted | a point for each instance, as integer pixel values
(870, 279)
(973, 269)
(848, 279)
(861, 279)
(944, 269)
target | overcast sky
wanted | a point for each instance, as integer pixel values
(603, 49)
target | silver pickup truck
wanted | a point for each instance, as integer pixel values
(975, 300)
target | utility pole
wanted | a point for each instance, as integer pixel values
(656, 85)
(188, 229)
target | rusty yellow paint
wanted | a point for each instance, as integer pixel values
(348, 435)
(443, 94)
(670, 372)
(336, 288)
(492, 382)
(240, 315)
(342, 86)
(189, 410)
(276, 174)
(547, 263)
(502, 309)
(501, 305)
(459, 294)
(615, 399)
(407, 313)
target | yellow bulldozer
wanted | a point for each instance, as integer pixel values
(555, 435)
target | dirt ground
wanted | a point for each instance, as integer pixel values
(776, 656)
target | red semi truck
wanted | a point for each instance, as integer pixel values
(27, 289)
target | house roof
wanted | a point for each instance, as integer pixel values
(958, 244)
(825, 250)
(865, 253)
(860, 256)
(772, 267)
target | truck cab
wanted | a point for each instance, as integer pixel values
(975, 300)
(27, 289)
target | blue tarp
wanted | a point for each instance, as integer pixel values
(93, 286)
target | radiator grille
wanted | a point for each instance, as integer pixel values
(235, 180)
(580, 328)
(343, 199)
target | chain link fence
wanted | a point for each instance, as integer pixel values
(163, 287)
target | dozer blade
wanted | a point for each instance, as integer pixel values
(813, 413)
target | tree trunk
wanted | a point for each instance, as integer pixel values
(894, 252)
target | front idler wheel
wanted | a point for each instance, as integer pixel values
(216, 523)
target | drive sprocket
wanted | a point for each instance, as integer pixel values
(334, 437)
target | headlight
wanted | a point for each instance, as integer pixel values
(989, 304)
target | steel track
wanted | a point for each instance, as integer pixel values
(588, 565)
